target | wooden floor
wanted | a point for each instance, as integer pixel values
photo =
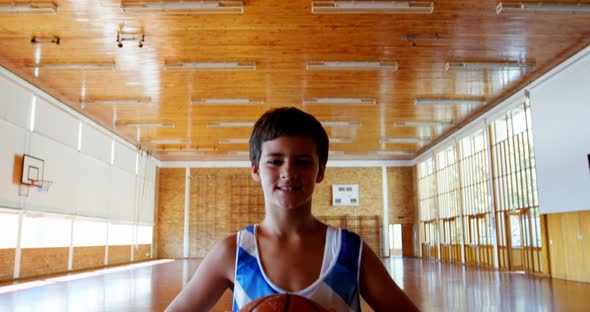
(432, 286)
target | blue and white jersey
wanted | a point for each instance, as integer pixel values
(337, 287)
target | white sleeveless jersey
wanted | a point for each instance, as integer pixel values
(337, 287)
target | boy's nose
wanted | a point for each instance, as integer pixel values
(287, 171)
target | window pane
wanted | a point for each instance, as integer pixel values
(120, 234)
(90, 233)
(8, 230)
(41, 231)
(144, 234)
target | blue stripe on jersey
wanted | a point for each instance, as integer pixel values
(344, 273)
(250, 277)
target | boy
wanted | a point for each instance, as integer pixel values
(291, 251)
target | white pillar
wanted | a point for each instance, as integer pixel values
(187, 195)
(385, 230)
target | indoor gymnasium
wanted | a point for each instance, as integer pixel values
(459, 147)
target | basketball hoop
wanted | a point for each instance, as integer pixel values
(42, 185)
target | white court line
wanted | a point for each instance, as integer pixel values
(54, 280)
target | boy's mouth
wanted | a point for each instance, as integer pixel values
(288, 188)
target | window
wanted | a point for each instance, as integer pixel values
(120, 234)
(44, 231)
(8, 230)
(90, 233)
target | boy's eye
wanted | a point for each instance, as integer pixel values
(273, 162)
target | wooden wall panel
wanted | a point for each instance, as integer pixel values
(370, 192)
(569, 237)
(213, 225)
(88, 257)
(171, 213)
(43, 261)
(400, 183)
(6, 264)
(119, 254)
(142, 252)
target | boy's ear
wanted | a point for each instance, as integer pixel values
(320, 176)
(255, 172)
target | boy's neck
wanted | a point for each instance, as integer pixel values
(287, 224)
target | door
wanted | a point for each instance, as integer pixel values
(515, 243)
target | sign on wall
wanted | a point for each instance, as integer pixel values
(345, 195)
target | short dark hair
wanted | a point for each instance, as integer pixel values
(288, 121)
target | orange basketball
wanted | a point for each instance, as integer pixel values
(282, 302)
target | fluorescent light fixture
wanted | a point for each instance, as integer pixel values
(393, 153)
(235, 141)
(337, 65)
(183, 153)
(437, 101)
(405, 140)
(170, 141)
(378, 7)
(328, 100)
(340, 140)
(227, 101)
(231, 124)
(145, 124)
(73, 66)
(211, 66)
(340, 124)
(30, 8)
(488, 65)
(138, 101)
(418, 124)
(240, 153)
(519, 7)
(185, 7)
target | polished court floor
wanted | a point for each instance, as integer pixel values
(433, 286)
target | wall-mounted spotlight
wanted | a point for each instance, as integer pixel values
(130, 36)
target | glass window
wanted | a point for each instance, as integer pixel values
(144, 234)
(44, 231)
(8, 230)
(120, 234)
(90, 233)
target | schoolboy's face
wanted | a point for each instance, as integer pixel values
(288, 171)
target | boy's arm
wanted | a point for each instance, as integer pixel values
(212, 277)
(378, 288)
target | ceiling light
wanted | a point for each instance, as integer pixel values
(230, 124)
(405, 140)
(418, 124)
(240, 153)
(170, 141)
(394, 153)
(340, 140)
(233, 101)
(352, 66)
(235, 141)
(145, 124)
(352, 101)
(340, 124)
(182, 152)
(379, 7)
(437, 101)
(31, 8)
(518, 7)
(73, 66)
(488, 65)
(211, 66)
(138, 101)
(185, 7)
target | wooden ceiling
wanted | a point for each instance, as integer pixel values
(280, 38)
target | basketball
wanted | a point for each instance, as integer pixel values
(282, 302)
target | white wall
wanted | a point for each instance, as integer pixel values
(94, 177)
(560, 109)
